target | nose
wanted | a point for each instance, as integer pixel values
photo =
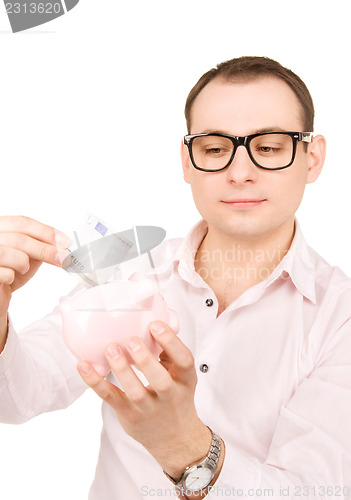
(242, 169)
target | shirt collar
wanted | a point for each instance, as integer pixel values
(298, 264)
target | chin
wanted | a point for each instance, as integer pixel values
(246, 229)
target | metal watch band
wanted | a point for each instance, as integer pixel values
(210, 461)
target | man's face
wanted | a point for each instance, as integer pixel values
(245, 201)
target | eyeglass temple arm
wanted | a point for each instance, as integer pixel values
(306, 136)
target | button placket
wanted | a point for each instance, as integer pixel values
(203, 327)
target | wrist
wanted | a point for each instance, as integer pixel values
(197, 478)
(189, 447)
(205, 491)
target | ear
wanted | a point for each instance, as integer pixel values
(184, 153)
(316, 157)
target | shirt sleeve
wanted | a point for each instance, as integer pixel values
(37, 372)
(310, 453)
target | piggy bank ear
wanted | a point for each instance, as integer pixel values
(159, 306)
(143, 288)
(136, 277)
(161, 311)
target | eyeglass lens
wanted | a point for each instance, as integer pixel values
(268, 150)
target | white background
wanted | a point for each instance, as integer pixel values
(92, 119)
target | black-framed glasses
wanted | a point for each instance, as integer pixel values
(267, 150)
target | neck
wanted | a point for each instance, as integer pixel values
(223, 259)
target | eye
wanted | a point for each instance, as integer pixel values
(268, 149)
(215, 151)
(211, 147)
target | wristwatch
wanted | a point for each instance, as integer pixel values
(198, 476)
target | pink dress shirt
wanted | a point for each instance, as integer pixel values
(274, 378)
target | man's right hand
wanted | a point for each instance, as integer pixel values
(24, 245)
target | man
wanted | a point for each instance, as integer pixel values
(252, 397)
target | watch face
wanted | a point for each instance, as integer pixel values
(198, 479)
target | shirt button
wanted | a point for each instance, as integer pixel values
(209, 302)
(204, 368)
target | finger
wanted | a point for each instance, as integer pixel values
(103, 388)
(158, 377)
(35, 249)
(35, 229)
(178, 353)
(14, 259)
(133, 388)
(7, 276)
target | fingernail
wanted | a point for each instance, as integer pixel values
(60, 256)
(62, 240)
(114, 351)
(157, 327)
(84, 369)
(133, 344)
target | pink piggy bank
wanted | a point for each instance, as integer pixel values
(112, 312)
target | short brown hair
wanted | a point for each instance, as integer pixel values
(249, 68)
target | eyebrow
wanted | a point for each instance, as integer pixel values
(257, 131)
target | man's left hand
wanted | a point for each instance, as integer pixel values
(162, 416)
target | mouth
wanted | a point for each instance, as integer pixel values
(244, 203)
